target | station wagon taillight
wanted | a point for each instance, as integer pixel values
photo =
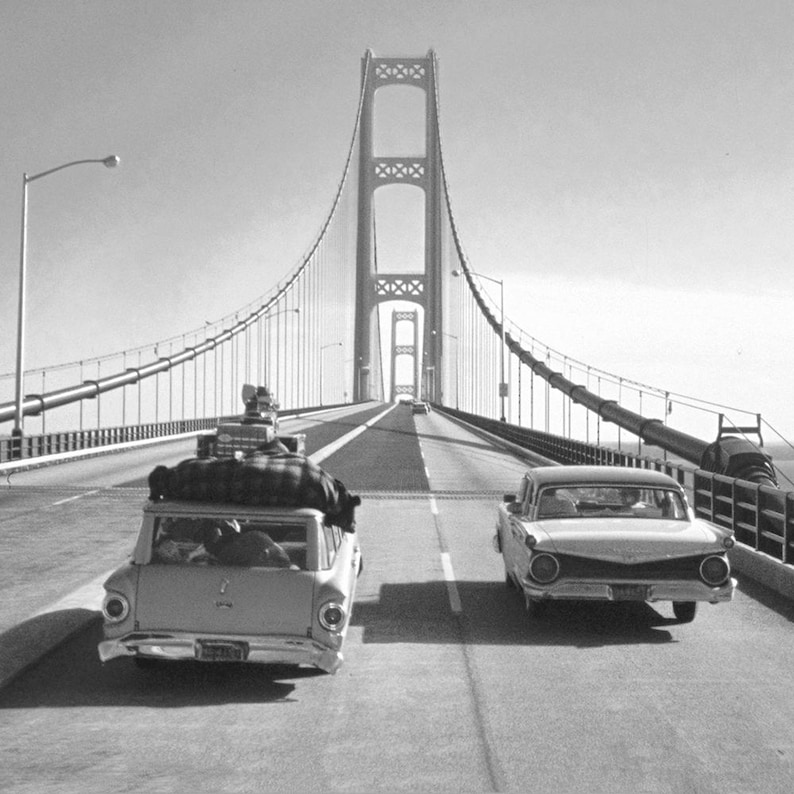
(115, 607)
(715, 570)
(332, 616)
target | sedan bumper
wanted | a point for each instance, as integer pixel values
(215, 649)
(584, 590)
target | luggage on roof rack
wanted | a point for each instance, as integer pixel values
(281, 479)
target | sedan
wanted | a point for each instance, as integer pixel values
(603, 533)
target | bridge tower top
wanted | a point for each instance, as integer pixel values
(423, 172)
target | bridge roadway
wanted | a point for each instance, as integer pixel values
(447, 684)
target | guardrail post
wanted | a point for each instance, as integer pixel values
(16, 444)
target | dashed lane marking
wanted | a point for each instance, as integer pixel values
(72, 498)
(452, 586)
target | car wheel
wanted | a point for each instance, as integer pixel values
(684, 611)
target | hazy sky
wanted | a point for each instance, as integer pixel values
(625, 166)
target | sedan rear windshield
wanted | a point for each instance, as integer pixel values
(599, 501)
(181, 540)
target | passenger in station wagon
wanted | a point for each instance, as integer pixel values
(188, 540)
(250, 549)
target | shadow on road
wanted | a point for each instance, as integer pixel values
(494, 615)
(72, 675)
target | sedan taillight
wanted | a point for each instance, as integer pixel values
(715, 570)
(544, 568)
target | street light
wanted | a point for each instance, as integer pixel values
(330, 344)
(266, 340)
(283, 311)
(109, 162)
(457, 356)
(502, 383)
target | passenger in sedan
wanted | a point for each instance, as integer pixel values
(555, 504)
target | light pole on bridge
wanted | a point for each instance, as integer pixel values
(457, 355)
(330, 344)
(502, 382)
(109, 162)
(267, 317)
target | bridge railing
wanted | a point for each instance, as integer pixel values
(14, 449)
(29, 448)
(761, 516)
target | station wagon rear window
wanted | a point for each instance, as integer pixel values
(613, 501)
(185, 540)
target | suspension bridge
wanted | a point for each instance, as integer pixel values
(343, 328)
(339, 340)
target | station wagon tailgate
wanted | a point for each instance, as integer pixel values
(224, 600)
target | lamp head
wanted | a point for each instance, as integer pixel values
(112, 161)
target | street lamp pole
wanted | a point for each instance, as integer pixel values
(330, 344)
(266, 344)
(502, 383)
(109, 162)
(457, 356)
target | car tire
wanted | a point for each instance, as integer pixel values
(685, 611)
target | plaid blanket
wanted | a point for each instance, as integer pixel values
(284, 479)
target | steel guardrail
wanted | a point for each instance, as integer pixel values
(761, 516)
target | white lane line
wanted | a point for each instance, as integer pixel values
(452, 587)
(325, 452)
(446, 563)
(72, 498)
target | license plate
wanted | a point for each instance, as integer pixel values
(214, 651)
(629, 592)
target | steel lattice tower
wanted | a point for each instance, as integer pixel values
(423, 172)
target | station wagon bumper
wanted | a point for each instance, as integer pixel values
(214, 648)
(584, 590)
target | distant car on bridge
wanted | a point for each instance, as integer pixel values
(420, 407)
(603, 533)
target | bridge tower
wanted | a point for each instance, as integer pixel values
(422, 171)
(404, 349)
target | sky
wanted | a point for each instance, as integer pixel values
(624, 165)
